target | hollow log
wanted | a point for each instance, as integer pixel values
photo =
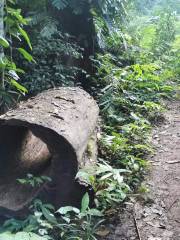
(47, 135)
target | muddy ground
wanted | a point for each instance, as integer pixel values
(157, 218)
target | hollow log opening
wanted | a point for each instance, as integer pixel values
(21, 152)
(25, 150)
(47, 135)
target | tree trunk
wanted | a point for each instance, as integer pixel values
(50, 134)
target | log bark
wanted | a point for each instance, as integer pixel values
(47, 135)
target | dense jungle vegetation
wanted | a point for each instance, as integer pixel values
(126, 54)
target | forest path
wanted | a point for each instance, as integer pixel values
(158, 218)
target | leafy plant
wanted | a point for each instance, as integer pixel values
(34, 181)
(135, 66)
(14, 23)
(55, 65)
(41, 221)
(83, 225)
(165, 34)
(67, 222)
(108, 183)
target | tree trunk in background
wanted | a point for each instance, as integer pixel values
(81, 26)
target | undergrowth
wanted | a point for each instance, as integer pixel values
(130, 99)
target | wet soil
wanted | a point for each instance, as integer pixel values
(157, 218)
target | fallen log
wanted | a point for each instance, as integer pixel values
(47, 135)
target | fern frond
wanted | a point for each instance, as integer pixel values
(49, 28)
(60, 4)
(37, 17)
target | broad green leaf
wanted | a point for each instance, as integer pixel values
(85, 202)
(95, 212)
(49, 206)
(25, 36)
(2, 63)
(18, 86)
(4, 42)
(65, 210)
(66, 219)
(108, 175)
(22, 181)
(46, 178)
(26, 55)
(12, 1)
(48, 215)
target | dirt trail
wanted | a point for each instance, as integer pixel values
(159, 217)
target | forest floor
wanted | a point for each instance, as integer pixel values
(157, 216)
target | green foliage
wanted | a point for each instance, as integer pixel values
(41, 221)
(130, 102)
(148, 7)
(107, 8)
(165, 35)
(48, 37)
(14, 22)
(107, 16)
(3, 42)
(77, 6)
(56, 57)
(137, 67)
(34, 181)
(66, 223)
(86, 216)
(26, 55)
(147, 34)
(60, 4)
(108, 183)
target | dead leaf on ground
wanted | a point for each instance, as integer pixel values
(103, 232)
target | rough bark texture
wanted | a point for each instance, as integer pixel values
(47, 135)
